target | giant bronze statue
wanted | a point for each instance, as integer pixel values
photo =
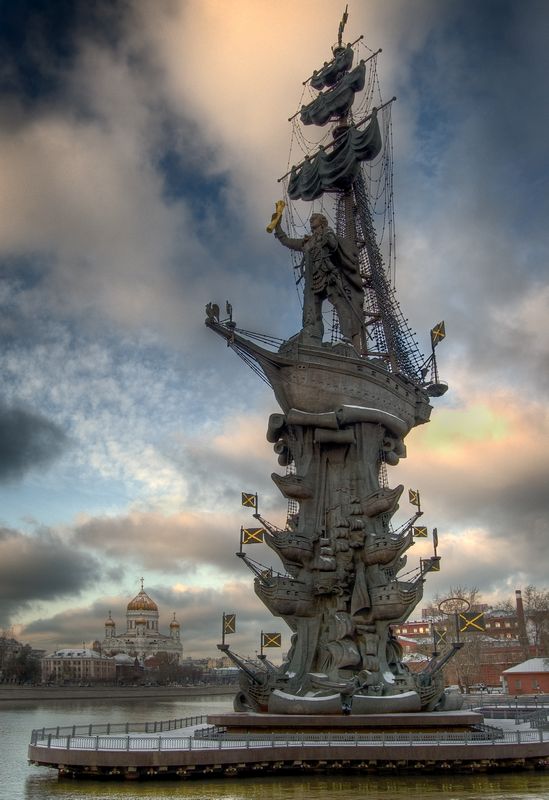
(346, 406)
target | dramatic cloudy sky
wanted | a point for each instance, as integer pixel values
(140, 144)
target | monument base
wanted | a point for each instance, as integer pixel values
(248, 722)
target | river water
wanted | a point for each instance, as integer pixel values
(19, 781)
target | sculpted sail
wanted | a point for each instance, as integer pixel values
(336, 169)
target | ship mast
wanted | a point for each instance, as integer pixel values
(336, 169)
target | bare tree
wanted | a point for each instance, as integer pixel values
(464, 668)
(536, 611)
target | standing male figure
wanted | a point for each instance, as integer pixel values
(331, 271)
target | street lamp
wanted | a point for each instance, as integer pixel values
(516, 709)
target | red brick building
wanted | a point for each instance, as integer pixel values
(529, 677)
(487, 652)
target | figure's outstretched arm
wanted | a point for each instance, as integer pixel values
(283, 238)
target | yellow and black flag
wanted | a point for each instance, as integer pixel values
(439, 636)
(438, 333)
(472, 622)
(249, 500)
(420, 531)
(229, 623)
(413, 497)
(271, 639)
(431, 564)
(252, 535)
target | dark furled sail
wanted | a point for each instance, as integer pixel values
(335, 170)
(336, 102)
(332, 71)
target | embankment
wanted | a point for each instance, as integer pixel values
(13, 694)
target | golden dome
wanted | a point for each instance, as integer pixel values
(109, 622)
(174, 623)
(142, 602)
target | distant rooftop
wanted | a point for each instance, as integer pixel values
(532, 665)
(71, 652)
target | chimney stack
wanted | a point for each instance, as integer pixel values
(523, 638)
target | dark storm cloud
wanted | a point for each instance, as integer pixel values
(475, 182)
(27, 441)
(515, 507)
(39, 567)
(508, 500)
(38, 41)
(73, 624)
(176, 543)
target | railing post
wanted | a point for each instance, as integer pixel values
(127, 742)
(518, 737)
(49, 739)
(68, 742)
(97, 742)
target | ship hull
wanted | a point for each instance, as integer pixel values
(322, 379)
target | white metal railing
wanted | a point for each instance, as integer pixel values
(483, 699)
(163, 743)
(112, 728)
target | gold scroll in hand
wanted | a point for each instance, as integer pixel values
(277, 216)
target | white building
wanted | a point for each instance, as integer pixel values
(75, 665)
(142, 637)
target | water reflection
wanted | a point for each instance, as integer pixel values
(508, 786)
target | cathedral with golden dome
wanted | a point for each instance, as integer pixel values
(142, 638)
